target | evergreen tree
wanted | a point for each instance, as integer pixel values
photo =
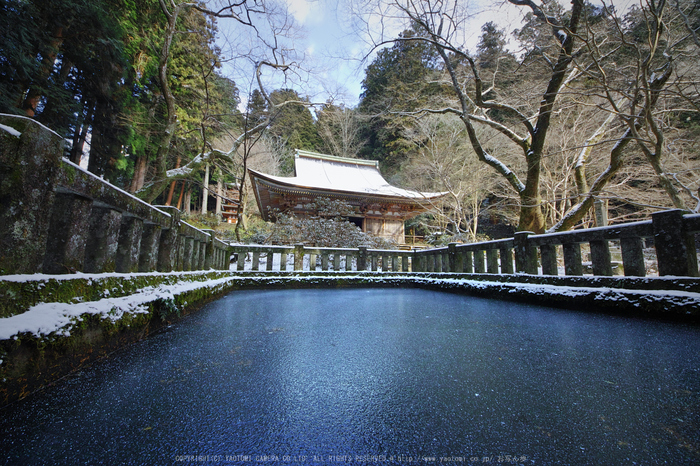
(397, 79)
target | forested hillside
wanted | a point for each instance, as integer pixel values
(582, 116)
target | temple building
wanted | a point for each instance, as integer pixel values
(380, 208)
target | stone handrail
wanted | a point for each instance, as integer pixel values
(672, 232)
(335, 259)
(673, 235)
(57, 218)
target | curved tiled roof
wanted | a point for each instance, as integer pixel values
(352, 176)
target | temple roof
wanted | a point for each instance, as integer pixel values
(319, 172)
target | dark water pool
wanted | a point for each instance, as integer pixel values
(376, 376)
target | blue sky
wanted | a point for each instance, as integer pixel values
(334, 50)
(330, 34)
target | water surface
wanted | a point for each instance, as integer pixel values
(375, 376)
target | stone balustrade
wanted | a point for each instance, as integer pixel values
(57, 218)
(335, 259)
(672, 234)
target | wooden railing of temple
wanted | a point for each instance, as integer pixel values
(57, 218)
(672, 233)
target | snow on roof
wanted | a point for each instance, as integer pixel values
(320, 171)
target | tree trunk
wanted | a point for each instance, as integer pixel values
(139, 178)
(188, 201)
(31, 101)
(179, 199)
(219, 193)
(80, 135)
(104, 145)
(161, 181)
(172, 185)
(205, 190)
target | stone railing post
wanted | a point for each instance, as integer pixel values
(209, 250)
(129, 245)
(240, 261)
(169, 241)
(479, 264)
(101, 247)
(572, 259)
(298, 257)
(525, 254)
(30, 159)
(150, 241)
(506, 255)
(452, 258)
(70, 223)
(600, 258)
(468, 264)
(362, 259)
(283, 261)
(675, 248)
(549, 259)
(336, 261)
(632, 256)
(492, 261)
(415, 266)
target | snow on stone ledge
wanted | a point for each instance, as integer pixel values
(46, 318)
(10, 130)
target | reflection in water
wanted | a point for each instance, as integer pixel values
(319, 376)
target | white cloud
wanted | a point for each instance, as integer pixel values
(300, 9)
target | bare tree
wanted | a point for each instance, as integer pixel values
(442, 23)
(440, 165)
(340, 130)
(644, 72)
